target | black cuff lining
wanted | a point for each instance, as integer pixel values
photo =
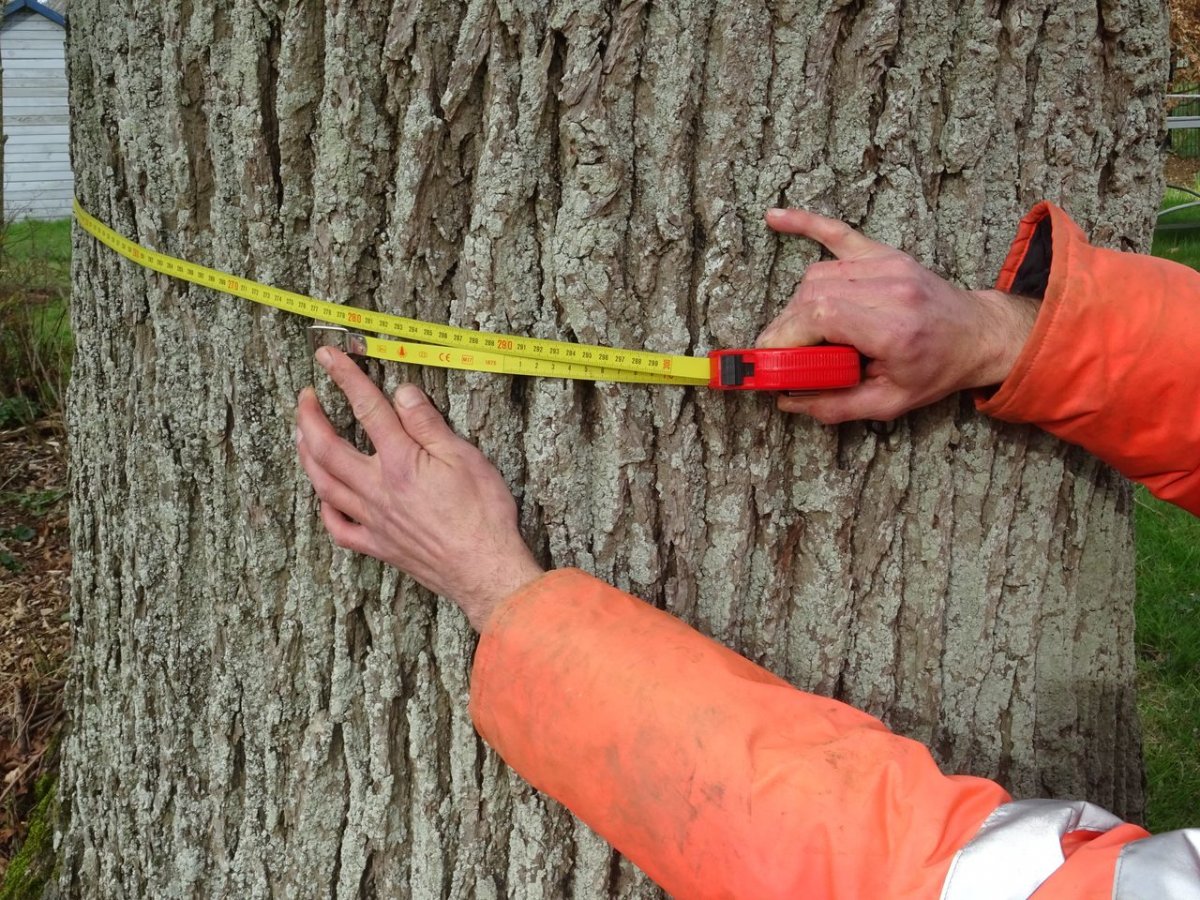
(1034, 273)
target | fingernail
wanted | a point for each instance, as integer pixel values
(325, 357)
(299, 436)
(409, 395)
(775, 212)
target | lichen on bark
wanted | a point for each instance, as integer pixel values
(256, 714)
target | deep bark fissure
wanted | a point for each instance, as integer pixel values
(268, 78)
(699, 238)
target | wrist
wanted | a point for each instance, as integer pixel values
(1005, 322)
(504, 579)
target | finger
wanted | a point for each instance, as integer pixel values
(841, 240)
(370, 406)
(331, 489)
(871, 400)
(324, 445)
(884, 265)
(421, 420)
(841, 312)
(791, 328)
(346, 534)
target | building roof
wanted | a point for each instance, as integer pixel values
(54, 10)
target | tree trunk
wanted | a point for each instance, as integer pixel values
(3, 150)
(257, 714)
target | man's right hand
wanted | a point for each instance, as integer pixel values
(924, 337)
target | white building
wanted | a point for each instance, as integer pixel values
(37, 164)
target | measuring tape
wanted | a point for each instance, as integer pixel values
(445, 346)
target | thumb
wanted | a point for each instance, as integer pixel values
(839, 238)
(873, 399)
(790, 329)
(421, 419)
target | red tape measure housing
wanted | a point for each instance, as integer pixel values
(821, 368)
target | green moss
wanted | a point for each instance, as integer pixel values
(34, 865)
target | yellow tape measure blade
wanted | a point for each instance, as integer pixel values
(560, 359)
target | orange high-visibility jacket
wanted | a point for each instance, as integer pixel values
(720, 780)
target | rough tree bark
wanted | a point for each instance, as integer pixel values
(256, 714)
(3, 142)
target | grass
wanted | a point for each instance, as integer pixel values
(1181, 245)
(1168, 614)
(35, 335)
(1168, 642)
(46, 243)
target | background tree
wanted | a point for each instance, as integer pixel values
(257, 714)
(1185, 40)
(3, 141)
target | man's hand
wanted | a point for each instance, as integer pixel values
(427, 502)
(925, 338)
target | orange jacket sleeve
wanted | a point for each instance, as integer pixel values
(715, 777)
(1113, 362)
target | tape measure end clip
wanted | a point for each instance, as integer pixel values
(335, 336)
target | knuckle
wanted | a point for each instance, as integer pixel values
(823, 306)
(899, 264)
(365, 408)
(317, 479)
(839, 231)
(319, 449)
(889, 412)
(322, 487)
(908, 290)
(342, 535)
(803, 406)
(828, 414)
(425, 418)
(825, 268)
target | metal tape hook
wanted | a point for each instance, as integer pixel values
(335, 336)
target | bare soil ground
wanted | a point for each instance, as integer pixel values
(1181, 170)
(35, 562)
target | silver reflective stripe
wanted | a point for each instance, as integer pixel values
(1018, 847)
(1158, 867)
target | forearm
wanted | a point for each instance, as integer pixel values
(1112, 361)
(713, 775)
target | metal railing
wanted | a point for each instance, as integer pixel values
(1183, 129)
(1183, 124)
(1160, 225)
